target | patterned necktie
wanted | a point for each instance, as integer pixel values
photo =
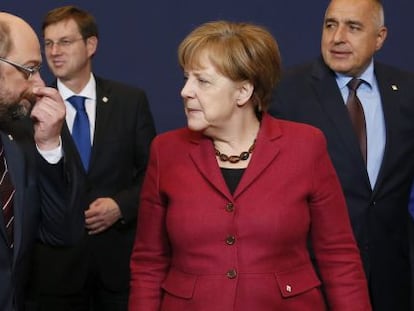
(356, 113)
(6, 192)
(81, 130)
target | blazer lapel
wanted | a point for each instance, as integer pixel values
(265, 151)
(203, 157)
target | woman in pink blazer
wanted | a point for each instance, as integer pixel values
(230, 203)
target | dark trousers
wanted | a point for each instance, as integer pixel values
(98, 300)
(77, 286)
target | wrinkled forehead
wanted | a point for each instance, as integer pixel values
(351, 10)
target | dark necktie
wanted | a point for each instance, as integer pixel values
(81, 131)
(356, 113)
(6, 192)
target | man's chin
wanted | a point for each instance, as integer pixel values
(22, 109)
(12, 113)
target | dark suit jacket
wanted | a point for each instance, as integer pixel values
(124, 129)
(199, 247)
(379, 217)
(45, 208)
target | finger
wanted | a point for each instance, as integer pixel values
(97, 230)
(50, 92)
(45, 111)
(91, 212)
(49, 105)
(94, 225)
(92, 220)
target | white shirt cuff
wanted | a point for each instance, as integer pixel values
(52, 156)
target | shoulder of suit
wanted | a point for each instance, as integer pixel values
(117, 86)
(382, 69)
(303, 72)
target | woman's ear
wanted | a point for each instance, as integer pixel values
(245, 92)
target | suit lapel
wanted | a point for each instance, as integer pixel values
(103, 114)
(16, 166)
(390, 101)
(332, 104)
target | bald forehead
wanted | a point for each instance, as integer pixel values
(12, 19)
(357, 8)
(24, 43)
(20, 31)
(16, 24)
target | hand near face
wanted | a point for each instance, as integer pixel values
(48, 115)
(102, 213)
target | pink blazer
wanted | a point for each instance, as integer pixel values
(200, 248)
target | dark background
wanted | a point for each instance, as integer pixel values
(139, 39)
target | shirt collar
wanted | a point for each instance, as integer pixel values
(367, 76)
(88, 91)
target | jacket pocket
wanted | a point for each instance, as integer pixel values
(297, 281)
(180, 284)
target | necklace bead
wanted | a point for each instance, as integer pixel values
(235, 158)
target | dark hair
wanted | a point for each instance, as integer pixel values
(85, 21)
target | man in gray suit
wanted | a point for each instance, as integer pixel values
(376, 187)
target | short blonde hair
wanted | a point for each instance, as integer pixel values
(239, 51)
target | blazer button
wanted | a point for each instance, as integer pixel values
(230, 207)
(230, 240)
(231, 274)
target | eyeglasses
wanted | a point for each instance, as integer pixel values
(27, 71)
(62, 43)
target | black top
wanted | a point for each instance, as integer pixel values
(232, 177)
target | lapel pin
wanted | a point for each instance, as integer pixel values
(10, 137)
(394, 87)
(105, 99)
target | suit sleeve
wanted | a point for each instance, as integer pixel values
(127, 198)
(58, 190)
(336, 252)
(62, 215)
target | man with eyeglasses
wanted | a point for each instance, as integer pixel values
(94, 274)
(28, 71)
(37, 196)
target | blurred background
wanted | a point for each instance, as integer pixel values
(139, 39)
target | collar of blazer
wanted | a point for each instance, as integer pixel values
(266, 150)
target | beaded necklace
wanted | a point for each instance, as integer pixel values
(235, 158)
